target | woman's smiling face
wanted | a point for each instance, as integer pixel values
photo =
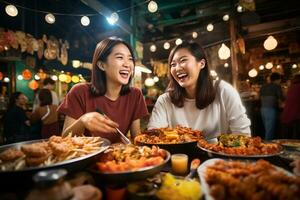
(185, 68)
(119, 65)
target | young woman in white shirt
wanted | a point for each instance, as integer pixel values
(193, 99)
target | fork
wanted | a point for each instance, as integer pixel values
(124, 139)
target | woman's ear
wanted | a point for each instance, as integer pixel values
(202, 63)
(100, 65)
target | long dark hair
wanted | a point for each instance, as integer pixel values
(45, 97)
(12, 100)
(205, 91)
(102, 51)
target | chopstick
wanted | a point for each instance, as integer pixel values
(124, 139)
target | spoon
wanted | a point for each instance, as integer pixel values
(194, 165)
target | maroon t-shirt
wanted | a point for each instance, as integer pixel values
(123, 111)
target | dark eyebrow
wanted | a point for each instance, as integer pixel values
(179, 58)
(121, 54)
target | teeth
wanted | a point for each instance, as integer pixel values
(181, 75)
(124, 72)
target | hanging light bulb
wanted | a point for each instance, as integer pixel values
(226, 65)
(226, 17)
(252, 73)
(239, 8)
(50, 19)
(210, 27)
(156, 79)
(76, 63)
(11, 10)
(152, 6)
(194, 34)
(20, 77)
(224, 52)
(85, 20)
(149, 82)
(270, 43)
(153, 48)
(261, 67)
(294, 66)
(166, 45)
(269, 65)
(6, 79)
(114, 17)
(54, 77)
(37, 77)
(178, 41)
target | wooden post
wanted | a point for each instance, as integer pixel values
(233, 52)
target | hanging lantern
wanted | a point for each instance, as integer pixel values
(33, 84)
(75, 79)
(50, 19)
(85, 20)
(62, 77)
(224, 52)
(11, 10)
(270, 43)
(252, 73)
(269, 65)
(42, 74)
(152, 6)
(68, 78)
(26, 73)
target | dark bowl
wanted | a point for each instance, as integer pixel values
(185, 147)
(127, 176)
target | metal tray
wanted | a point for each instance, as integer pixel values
(15, 176)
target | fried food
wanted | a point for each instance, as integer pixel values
(240, 145)
(120, 158)
(56, 149)
(11, 154)
(36, 149)
(169, 135)
(250, 180)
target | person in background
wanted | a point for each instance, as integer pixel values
(290, 117)
(49, 84)
(46, 113)
(194, 100)
(16, 122)
(271, 97)
(109, 92)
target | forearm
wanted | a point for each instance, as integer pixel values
(76, 127)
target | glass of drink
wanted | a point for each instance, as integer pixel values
(179, 164)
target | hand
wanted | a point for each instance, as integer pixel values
(95, 122)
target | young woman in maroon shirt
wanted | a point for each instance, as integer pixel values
(110, 92)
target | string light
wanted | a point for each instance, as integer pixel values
(194, 35)
(226, 65)
(294, 66)
(153, 48)
(261, 67)
(50, 19)
(167, 45)
(252, 73)
(239, 8)
(85, 21)
(11, 10)
(269, 65)
(210, 27)
(178, 41)
(225, 17)
(270, 43)
(224, 52)
(152, 6)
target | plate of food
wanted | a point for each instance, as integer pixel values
(23, 159)
(289, 144)
(122, 163)
(240, 146)
(175, 140)
(241, 179)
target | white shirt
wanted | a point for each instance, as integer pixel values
(225, 114)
